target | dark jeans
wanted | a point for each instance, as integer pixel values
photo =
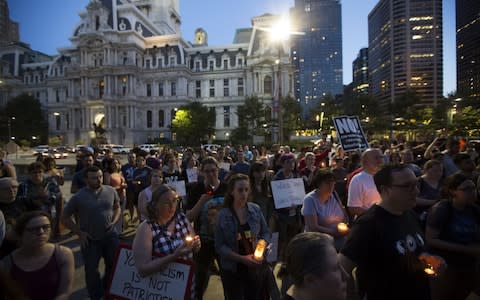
(288, 227)
(204, 261)
(95, 250)
(241, 285)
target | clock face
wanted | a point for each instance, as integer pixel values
(200, 37)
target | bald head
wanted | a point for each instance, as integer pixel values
(372, 160)
(8, 190)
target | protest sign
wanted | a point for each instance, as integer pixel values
(350, 133)
(179, 187)
(192, 175)
(173, 282)
(288, 192)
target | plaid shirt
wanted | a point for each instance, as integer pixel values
(41, 196)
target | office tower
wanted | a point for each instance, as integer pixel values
(317, 55)
(468, 48)
(405, 50)
(360, 72)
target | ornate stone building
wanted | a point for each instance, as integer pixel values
(128, 69)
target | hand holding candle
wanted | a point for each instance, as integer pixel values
(433, 265)
(342, 228)
(188, 240)
(259, 250)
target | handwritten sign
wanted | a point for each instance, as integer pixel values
(350, 133)
(179, 187)
(192, 174)
(173, 282)
(288, 192)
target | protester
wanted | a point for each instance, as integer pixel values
(42, 269)
(323, 210)
(41, 193)
(7, 169)
(288, 220)
(386, 243)
(163, 232)
(240, 225)
(97, 208)
(78, 180)
(203, 202)
(261, 193)
(127, 172)
(146, 195)
(312, 266)
(11, 212)
(308, 171)
(362, 193)
(171, 172)
(140, 181)
(429, 186)
(453, 231)
(51, 170)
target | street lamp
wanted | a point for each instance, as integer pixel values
(9, 122)
(279, 33)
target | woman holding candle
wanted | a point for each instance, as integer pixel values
(322, 209)
(164, 232)
(240, 226)
(453, 232)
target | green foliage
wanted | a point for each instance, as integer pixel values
(291, 111)
(54, 141)
(252, 121)
(24, 143)
(29, 119)
(193, 124)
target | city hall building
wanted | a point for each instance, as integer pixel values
(128, 69)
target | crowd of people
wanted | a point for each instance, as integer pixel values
(395, 221)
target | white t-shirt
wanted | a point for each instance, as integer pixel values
(362, 191)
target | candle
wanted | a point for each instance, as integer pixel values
(429, 270)
(258, 255)
(342, 228)
(188, 240)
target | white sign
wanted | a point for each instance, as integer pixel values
(192, 175)
(225, 166)
(288, 192)
(179, 187)
(173, 282)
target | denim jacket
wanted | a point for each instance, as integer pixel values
(227, 232)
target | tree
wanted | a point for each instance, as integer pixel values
(193, 124)
(251, 121)
(291, 111)
(24, 116)
(330, 109)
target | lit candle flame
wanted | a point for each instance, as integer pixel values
(342, 228)
(188, 240)
(258, 254)
(430, 271)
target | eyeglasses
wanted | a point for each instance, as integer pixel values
(36, 229)
(408, 186)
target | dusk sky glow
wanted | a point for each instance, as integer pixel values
(47, 25)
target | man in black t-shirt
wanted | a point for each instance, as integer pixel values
(204, 199)
(387, 245)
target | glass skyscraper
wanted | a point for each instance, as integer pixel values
(317, 55)
(468, 48)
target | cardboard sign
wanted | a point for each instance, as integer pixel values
(350, 133)
(179, 187)
(224, 165)
(288, 192)
(173, 282)
(192, 175)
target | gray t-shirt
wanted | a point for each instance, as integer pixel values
(94, 210)
(329, 213)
